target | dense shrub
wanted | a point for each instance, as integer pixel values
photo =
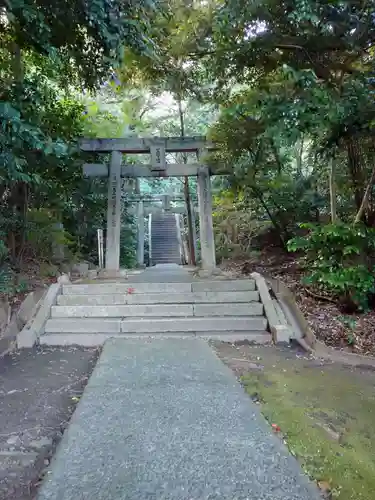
(336, 257)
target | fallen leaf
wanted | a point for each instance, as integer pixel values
(324, 487)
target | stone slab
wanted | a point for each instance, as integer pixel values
(223, 286)
(98, 339)
(177, 427)
(112, 273)
(83, 325)
(225, 309)
(248, 336)
(158, 298)
(123, 288)
(164, 325)
(122, 311)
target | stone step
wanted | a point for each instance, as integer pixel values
(165, 240)
(122, 311)
(165, 245)
(136, 288)
(219, 324)
(160, 252)
(161, 223)
(165, 254)
(156, 325)
(166, 260)
(158, 310)
(160, 231)
(225, 309)
(166, 248)
(122, 288)
(224, 286)
(160, 235)
(97, 339)
(157, 298)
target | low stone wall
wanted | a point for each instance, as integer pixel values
(16, 322)
(303, 334)
(32, 331)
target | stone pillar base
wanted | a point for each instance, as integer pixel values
(113, 273)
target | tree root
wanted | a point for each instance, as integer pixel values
(319, 297)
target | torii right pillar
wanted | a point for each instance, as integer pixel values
(206, 231)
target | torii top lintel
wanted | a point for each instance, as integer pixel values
(133, 145)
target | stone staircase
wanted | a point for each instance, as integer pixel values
(164, 240)
(89, 314)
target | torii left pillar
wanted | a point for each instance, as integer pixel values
(112, 253)
(140, 227)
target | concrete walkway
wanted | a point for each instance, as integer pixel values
(166, 420)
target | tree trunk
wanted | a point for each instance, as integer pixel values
(18, 202)
(355, 170)
(258, 194)
(365, 199)
(192, 258)
(299, 158)
(332, 192)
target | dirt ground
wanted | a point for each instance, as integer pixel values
(39, 389)
(324, 411)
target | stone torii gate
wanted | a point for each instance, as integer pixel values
(145, 207)
(157, 147)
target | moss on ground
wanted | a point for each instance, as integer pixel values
(326, 414)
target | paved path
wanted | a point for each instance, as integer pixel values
(164, 273)
(166, 420)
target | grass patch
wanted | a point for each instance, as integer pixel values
(327, 416)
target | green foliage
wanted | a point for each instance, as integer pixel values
(335, 258)
(3, 249)
(234, 226)
(6, 280)
(44, 233)
(88, 38)
(49, 52)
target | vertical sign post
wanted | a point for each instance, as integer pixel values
(100, 248)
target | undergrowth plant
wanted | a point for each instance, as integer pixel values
(336, 257)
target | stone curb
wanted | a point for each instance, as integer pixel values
(280, 330)
(32, 331)
(291, 310)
